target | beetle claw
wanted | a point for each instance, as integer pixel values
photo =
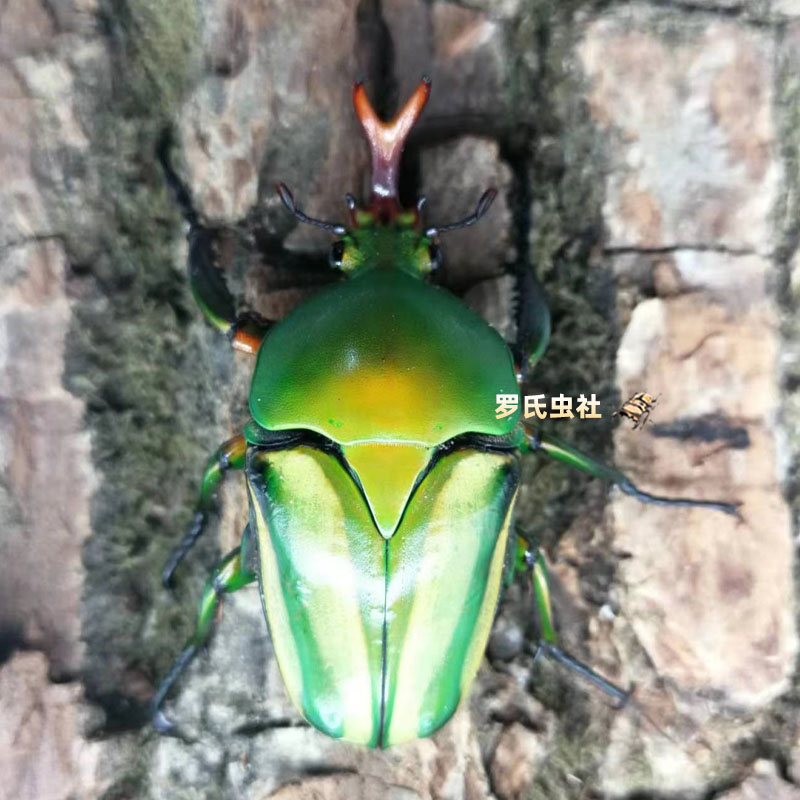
(168, 573)
(166, 727)
(166, 577)
(286, 196)
(163, 724)
(626, 698)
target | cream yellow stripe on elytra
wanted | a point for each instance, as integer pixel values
(450, 548)
(316, 538)
(277, 618)
(483, 624)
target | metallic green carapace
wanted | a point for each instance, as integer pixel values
(381, 483)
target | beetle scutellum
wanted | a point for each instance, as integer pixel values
(379, 519)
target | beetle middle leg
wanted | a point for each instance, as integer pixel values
(530, 561)
(229, 455)
(538, 442)
(233, 572)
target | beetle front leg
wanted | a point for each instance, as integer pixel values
(538, 442)
(532, 318)
(229, 455)
(244, 331)
(530, 561)
(230, 574)
(209, 289)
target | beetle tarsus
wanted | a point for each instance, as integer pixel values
(166, 727)
(627, 487)
(557, 654)
(186, 544)
(180, 190)
(163, 724)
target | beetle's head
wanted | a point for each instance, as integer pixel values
(383, 233)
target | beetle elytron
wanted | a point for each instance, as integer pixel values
(381, 485)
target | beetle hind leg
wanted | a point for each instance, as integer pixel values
(232, 573)
(530, 561)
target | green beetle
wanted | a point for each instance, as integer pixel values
(381, 482)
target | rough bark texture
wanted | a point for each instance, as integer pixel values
(648, 161)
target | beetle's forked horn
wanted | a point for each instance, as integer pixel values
(387, 139)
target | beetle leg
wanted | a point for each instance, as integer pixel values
(538, 442)
(532, 562)
(557, 654)
(230, 574)
(532, 317)
(229, 455)
(210, 291)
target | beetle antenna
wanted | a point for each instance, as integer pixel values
(484, 204)
(295, 211)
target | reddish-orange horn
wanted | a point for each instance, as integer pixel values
(387, 139)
